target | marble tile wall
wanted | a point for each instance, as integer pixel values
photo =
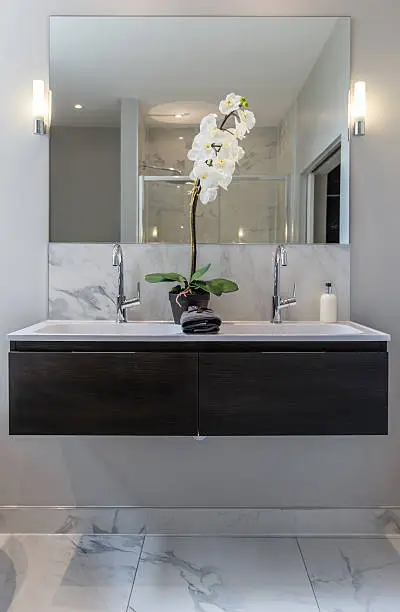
(83, 283)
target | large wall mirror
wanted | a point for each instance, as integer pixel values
(128, 96)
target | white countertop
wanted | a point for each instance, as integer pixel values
(154, 331)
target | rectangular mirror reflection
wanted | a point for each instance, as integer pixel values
(128, 97)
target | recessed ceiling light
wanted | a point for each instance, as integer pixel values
(78, 106)
(180, 137)
(178, 116)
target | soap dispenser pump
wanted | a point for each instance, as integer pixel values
(328, 305)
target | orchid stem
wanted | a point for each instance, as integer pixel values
(226, 119)
(193, 239)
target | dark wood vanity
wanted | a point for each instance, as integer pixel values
(189, 388)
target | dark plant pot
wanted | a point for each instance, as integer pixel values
(193, 299)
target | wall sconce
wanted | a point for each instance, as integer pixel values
(242, 234)
(358, 108)
(41, 108)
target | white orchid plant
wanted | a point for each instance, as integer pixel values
(215, 152)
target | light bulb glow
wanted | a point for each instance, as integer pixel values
(78, 106)
(39, 101)
(154, 232)
(359, 105)
(178, 116)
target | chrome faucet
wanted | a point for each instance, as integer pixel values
(278, 303)
(122, 303)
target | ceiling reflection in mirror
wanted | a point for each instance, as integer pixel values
(129, 94)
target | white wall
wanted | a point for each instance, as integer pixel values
(246, 472)
(317, 119)
(322, 117)
(85, 184)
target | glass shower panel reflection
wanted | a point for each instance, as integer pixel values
(253, 210)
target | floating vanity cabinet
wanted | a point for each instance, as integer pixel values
(110, 393)
(94, 378)
(293, 393)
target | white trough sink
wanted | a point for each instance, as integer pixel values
(164, 331)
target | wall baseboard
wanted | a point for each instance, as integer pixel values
(272, 522)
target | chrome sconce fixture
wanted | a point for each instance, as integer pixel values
(358, 108)
(41, 108)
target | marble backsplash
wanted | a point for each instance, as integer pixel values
(83, 283)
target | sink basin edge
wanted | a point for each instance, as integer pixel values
(52, 330)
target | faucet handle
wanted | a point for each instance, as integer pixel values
(290, 301)
(138, 290)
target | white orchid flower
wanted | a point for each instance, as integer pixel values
(205, 147)
(244, 122)
(208, 123)
(226, 168)
(231, 103)
(225, 181)
(240, 129)
(212, 177)
(208, 195)
(247, 117)
(231, 150)
(227, 146)
(202, 149)
(208, 176)
(240, 153)
(216, 151)
(224, 144)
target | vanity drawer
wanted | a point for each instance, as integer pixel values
(318, 393)
(103, 393)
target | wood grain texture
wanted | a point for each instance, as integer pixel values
(293, 394)
(103, 393)
(195, 345)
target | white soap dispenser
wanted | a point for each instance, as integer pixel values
(328, 305)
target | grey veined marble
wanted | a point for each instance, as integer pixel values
(117, 573)
(67, 574)
(83, 283)
(221, 575)
(354, 575)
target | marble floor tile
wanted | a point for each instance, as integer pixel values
(183, 574)
(354, 575)
(60, 573)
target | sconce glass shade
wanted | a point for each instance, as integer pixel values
(41, 108)
(359, 108)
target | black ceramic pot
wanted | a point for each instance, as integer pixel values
(192, 299)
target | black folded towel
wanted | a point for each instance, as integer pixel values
(198, 320)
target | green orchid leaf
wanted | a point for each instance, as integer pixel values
(218, 286)
(200, 272)
(168, 277)
(198, 284)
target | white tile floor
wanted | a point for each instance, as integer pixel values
(64, 573)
